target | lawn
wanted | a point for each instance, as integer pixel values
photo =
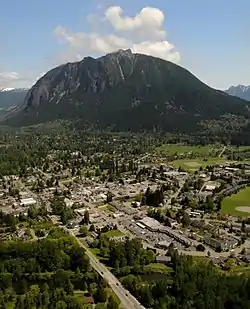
(186, 149)
(107, 208)
(158, 268)
(230, 203)
(9, 305)
(95, 251)
(242, 269)
(113, 233)
(43, 226)
(195, 164)
(241, 148)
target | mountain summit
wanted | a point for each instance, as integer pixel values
(126, 91)
(240, 91)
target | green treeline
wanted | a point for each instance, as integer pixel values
(45, 273)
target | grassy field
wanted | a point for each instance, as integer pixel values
(113, 233)
(158, 268)
(195, 164)
(230, 203)
(186, 149)
(241, 148)
(107, 208)
(95, 251)
(242, 269)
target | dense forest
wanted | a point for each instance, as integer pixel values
(45, 273)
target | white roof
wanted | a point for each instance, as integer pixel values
(28, 201)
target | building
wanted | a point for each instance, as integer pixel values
(154, 226)
(151, 224)
(171, 222)
(163, 259)
(27, 202)
(221, 244)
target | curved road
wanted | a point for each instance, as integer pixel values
(127, 300)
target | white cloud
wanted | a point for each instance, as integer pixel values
(8, 79)
(148, 24)
(161, 49)
(91, 42)
(143, 33)
(16, 80)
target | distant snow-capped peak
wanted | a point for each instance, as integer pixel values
(240, 91)
(13, 89)
(240, 87)
(7, 89)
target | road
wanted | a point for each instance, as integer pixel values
(142, 158)
(127, 300)
(224, 148)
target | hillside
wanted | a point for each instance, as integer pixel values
(11, 97)
(126, 91)
(240, 91)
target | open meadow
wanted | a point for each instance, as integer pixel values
(195, 164)
(179, 149)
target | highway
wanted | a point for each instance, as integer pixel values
(127, 300)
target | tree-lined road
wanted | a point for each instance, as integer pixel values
(127, 300)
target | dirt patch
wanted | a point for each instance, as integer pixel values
(193, 164)
(243, 208)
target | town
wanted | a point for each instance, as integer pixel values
(161, 204)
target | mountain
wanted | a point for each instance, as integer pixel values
(11, 97)
(126, 91)
(240, 91)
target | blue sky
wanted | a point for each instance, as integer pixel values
(210, 38)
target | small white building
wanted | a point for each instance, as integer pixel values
(27, 201)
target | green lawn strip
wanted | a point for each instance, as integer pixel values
(95, 251)
(113, 233)
(107, 208)
(158, 268)
(43, 226)
(185, 149)
(241, 148)
(241, 269)
(230, 203)
(195, 164)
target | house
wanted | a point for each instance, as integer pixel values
(163, 259)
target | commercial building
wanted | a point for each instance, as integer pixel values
(27, 202)
(221, 244)
(154, 226)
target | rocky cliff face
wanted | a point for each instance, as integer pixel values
(93, 76)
